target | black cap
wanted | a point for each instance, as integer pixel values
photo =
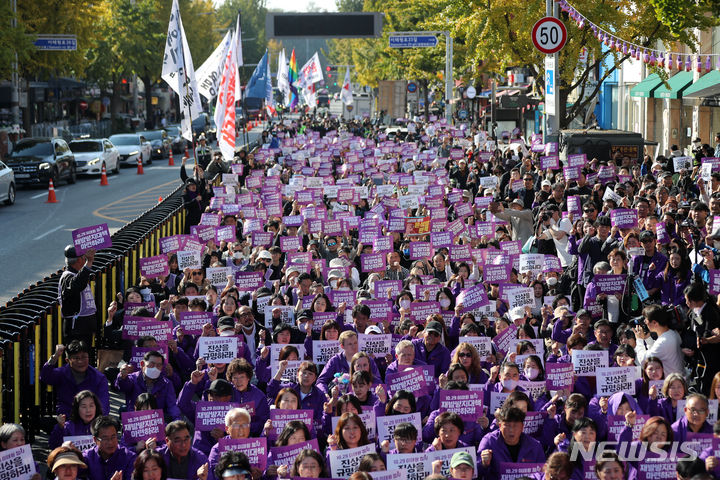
(603, 220)
(582, 312)
(434, 326)
(646, 236)
(304, 314)
(220, 387)
(225, 322)
(70, 252)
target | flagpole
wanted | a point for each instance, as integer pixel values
(187, 92)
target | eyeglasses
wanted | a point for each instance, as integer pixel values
(696, 411)
(331, 244)
(240, 425)
(196, 273)
(78, 358)
(111, 438)
(589, 210)
(465, 355)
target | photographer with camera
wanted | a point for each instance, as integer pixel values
(705, 324)
(666, 347)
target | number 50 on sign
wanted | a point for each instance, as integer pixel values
(549, 35)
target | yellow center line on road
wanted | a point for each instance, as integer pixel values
(151, 201)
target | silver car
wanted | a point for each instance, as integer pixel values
(93, 154)
(131, 147)
(7, 184)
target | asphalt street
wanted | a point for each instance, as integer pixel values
(33, 233)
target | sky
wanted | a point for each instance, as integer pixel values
(297, 5)
(302, 5)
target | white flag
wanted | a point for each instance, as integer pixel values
(225, 105)
(346, 94)
(311, 72)
(283, 82)
(269, 98)
(309, 95)
(209, 73)
(179, 73)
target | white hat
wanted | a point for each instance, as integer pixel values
(265, 255)
(373, 329)
(517, 312)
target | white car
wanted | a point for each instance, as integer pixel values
(131, 146)
(94, 153)
(7, 184)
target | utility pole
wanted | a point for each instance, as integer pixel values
(552, 112)
(15, 90)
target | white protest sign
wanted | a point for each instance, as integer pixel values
(375, 345)
(17, 463)
(586, 362)
(324, 350)
(218, 349)
(386, 425)
(615, 379)
(344, 463)
(483, 345)
(188, 259)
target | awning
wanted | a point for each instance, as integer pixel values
(707, 86)
(645, 88)
(677, 83)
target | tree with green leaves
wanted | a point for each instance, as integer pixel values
(252, 24)
(12, 40)
(493, 35)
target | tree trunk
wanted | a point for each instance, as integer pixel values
(424, 90)
(149, 116)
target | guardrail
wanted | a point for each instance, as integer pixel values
(30, 324)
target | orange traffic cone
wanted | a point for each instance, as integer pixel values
(140, 166)
(171, 162)
(103, 177)
(51, 193)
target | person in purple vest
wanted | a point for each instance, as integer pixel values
(507, 444)
(108, 460)
(85, 408)
(239, 372)
(182, 460)
(695, 418)
(149, 379)
(340, 363)
(237, 426)
(149, 465)
(220, 391)
(75, 376)
(311, 397)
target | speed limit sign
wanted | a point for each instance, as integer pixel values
(549, 35)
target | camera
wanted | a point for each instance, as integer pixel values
(640, 322)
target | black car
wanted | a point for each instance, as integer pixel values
(36, 161)
(159, 141)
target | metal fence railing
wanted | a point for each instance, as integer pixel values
(30, 324)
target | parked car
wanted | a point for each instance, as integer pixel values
(37, 160)
(92, 154)
(159, 141)
(200, 125)
(7, 184)
(131, 146)
(177, 142)
(240, 117)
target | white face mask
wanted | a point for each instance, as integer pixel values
(532, 373)
(227, 333)
(405, 303)
(152, 372)
(552, 281)
(509, 384)
(444, 303)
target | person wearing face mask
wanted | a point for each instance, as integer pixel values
(149, 379)
(705, 327)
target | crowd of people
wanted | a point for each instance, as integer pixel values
(430, 305)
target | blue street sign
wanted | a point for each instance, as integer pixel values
(411, 87)
(56, 42)
(413, 41)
